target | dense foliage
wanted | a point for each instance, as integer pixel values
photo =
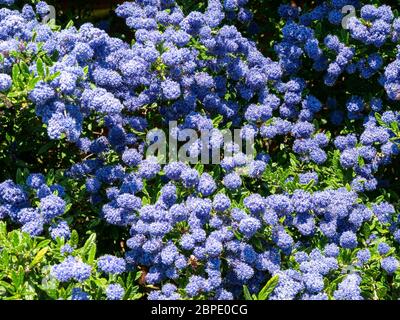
(312, 214)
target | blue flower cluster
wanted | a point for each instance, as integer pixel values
(19, 204)
(5, 82)
(214, 230)
(71, 268)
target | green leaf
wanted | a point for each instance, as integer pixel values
(74, 238)
(86, 70)
(92, 254)
(20, 177)
(15, 239)
(40, 68)
(90, 242)
(5, 259)
(309, 185)
(43, 244)
(3, 231)
(268, 288)
(8, 286)
(145, 201)
(32, 83)
(3, 291)
(15, 74)
(39, 257)
(24, 68)
(293, 161)
(14, 94)
(361, 162)
(217, 120)
(70, 24)
(395, 127)
(136, 296)
(53, 76)
(379, 119)
(17, 277)
(246, 293)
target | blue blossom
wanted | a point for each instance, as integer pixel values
(255, 203)
(349, 158)
(93, 185)
(243, 271)
(12, 193)
(66, 249)
(131, 157)
(195, 285)
(363, 256)
(168, 290)
(190, 177)
(111, 264)
(314, 283)
(171, 89)
(288, 286)
(187, 227)
(70, 269)
(187, 242)
(5, 82)
(115, 292)
(383, 248)
(249, 226)
(41, 94)
(168, 194)
(355, 104)
(51, 207)
(213, 247)
(79, 294)
(35, 180)
(232, 181)
(348, 240)
(349, 288)
(383, 211)
(206, 185)
(396, 235)
(221, 202)
(390, 264)
(307, 177)
(33, 228)
(149, 168)
(42, 8)
(7, 2)
(256, 168)
(60, 230)
(173, 170)
(301, 201)
(282, 239)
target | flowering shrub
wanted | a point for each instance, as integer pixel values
(310, 213)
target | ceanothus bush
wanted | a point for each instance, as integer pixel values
(311, 214)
